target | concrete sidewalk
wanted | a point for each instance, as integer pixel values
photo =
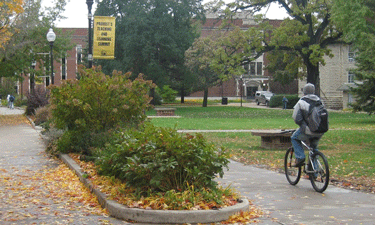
(21, 153)
(6, 111)
(25, 197)
(299, 204)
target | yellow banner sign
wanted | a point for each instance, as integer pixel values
(104, 37)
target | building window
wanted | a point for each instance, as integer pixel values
(259, 68)
(351, 54)
(63, 68)
(254, 68)
(351, 77)
(79, 53)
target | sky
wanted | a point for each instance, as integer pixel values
(76, 12)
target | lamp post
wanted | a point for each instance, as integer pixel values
(32, 76)
(90, 57)
(51, 36)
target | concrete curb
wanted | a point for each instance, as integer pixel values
(156, 216)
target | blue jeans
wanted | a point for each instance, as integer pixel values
(297, 145)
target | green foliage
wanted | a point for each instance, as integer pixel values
(168, 94)
(156, 97)
(152, 37)
(284, 66)
(98, 102)
(305, 35)
(277, 101)
(82, 142)
(160, 159)
(356, 17)
(28, 37)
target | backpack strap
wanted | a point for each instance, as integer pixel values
(312, 104)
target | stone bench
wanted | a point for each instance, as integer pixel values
(165, 111)
(275, 139)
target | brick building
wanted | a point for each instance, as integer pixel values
(335, 78)
(255, 78)
(65, 68)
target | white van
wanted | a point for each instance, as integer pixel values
(263, 97)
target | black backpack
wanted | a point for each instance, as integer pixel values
(317, 116)
(11, 98)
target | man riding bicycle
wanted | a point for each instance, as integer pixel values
(301, 109)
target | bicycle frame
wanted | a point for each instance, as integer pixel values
(310, 161)
(316, 167)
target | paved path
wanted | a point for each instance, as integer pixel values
(27, 196)
(299, 204)
(22, 158)
(6, 111)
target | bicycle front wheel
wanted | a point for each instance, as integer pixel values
(293, 174)
(320, 177)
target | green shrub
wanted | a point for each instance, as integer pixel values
(168, 94)
(277, 101)
(156, 96)
(97, 103)
(83, 143)
(161, 159)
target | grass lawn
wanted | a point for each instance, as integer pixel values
(349, 144)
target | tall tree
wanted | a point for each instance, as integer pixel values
(152, 36)
(357, 17)
(9, 10)
(306, 34)
(27, 37)
(199, 60)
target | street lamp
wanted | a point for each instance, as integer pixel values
(90, 57)
(32, 76)
(51, 36)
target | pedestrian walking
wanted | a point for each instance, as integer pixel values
(11, 102)
(285, 102)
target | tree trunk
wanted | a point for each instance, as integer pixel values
(205, 97)
(313, 76)
(182, 94)
(152, 94)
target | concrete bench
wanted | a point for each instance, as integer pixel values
(165, 111)
(273, 138)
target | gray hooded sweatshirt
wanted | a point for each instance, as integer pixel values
(300, 112)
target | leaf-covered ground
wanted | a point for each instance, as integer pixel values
(118, 191)
(49, 196)
(11, 120)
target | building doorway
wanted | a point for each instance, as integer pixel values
(251, 92)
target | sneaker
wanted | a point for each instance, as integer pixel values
(298, 163)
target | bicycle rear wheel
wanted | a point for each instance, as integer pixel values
(293, 174)
(320, 178)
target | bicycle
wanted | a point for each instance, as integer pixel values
(317, 168)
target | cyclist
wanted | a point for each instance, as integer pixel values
(303, 132)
